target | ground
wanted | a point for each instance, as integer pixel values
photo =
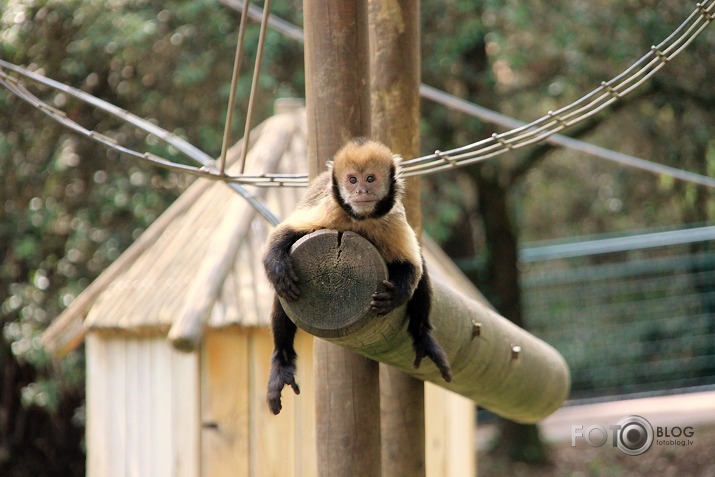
(696, 460)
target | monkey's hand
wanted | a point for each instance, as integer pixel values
(281, 274)
(384, 302)
(427, 346)
(282, 374)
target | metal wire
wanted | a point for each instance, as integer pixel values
(560, 140)
(208, 169)
(234, 82)
(455, 103)
(254, 83)
(520, 136)
(587, 106)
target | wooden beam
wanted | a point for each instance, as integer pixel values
(337, 109)
(206, 285)
(494, 362)
(395, 117)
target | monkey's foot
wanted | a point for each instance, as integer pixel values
(281, 375)
(427, 346)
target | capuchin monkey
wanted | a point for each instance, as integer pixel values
(360, 192)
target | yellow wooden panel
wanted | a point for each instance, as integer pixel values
(274, 436)
(306, 463)
(225, 413)
(160, 422)
(98, 442)
(115, 390)
(133, 404)
(450, 427)
(184, 399)
(142, 408)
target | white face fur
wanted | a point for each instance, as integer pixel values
(362, 189)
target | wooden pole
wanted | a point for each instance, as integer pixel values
(336, 77)
(338, 108)
(495, 363)
(394, 87)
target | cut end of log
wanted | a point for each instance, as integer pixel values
(337, 274)
(186, 344)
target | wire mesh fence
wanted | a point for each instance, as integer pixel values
(628, 319)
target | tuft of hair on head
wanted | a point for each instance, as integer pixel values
(360, 153)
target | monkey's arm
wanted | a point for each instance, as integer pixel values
(280, 272)
(420, 328)
(278, 264)
(398, 289)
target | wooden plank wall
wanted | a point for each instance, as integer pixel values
(450, 429)
(240, 436)
(156, 412)
(142, 408)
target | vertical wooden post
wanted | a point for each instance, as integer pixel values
(337, 76)
(338, 108)
(395, 82)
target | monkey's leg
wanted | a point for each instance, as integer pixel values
(284, 357)
(420, 328)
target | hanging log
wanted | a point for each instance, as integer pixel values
(494, 362)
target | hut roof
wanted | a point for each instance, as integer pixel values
(201, 260)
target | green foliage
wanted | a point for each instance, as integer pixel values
(525, 59)
(69, 207)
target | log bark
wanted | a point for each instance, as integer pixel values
(495, 363)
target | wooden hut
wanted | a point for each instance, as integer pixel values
(153, 410)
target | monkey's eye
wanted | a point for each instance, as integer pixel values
(352, 179)
(370, 178)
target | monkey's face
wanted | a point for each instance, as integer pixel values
(363, 189)
(364, 179)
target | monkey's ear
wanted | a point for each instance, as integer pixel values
(396, 158)
(329, 165)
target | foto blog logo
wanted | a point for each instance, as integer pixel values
(633, 435)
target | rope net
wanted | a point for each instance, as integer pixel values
(534, 132)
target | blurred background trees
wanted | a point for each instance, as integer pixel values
(524, 59)
(69, 207)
